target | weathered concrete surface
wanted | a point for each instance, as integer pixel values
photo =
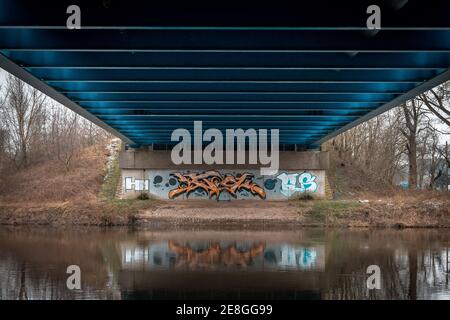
(282, 186)
(289, 160)
(153, 172)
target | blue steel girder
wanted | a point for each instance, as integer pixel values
(310, 69)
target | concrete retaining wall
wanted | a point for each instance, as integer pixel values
(153, 172)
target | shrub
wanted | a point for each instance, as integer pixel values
(143, 196)
(305, 196)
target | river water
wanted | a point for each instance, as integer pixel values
(123, 263)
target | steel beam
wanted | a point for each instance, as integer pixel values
(30, 79)
(445, 76)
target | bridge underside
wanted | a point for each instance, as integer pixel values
(312, 69)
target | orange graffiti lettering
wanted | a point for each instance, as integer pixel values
(214, 255)
(213, 183)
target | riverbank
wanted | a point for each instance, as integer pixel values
(411, 212)
(85, 194)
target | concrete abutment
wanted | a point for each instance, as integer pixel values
(153, 172)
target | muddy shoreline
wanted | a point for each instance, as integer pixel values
(234, 214)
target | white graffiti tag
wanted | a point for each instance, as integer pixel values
(294, 182)
(307, 182)
(136, 184)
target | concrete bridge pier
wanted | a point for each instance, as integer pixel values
(153, 172)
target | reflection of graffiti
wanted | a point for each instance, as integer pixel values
(223, 255)
(213, 183)
(214, 255)
(136, 184)
(293, 182)
(293, 257)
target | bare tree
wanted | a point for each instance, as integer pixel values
(64, 134)
(23, 116)
(3, 147)
(378, 147)
(3, 132)
(436, 161)
(413, 112)
(373, 147)
(422, 157)
(437, 101)
(34, 128)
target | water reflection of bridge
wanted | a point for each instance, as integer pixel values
(259, 256)
(204, 269)
(33, 261)
(220, 285)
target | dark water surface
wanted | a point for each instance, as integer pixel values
(227, 264)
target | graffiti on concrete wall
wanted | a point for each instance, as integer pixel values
(223, 185)
(214, 184)
(132, 184)
(294, 182)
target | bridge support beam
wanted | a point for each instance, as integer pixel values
(149, 171)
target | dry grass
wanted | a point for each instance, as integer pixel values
(349, 181)
(51, 182)
(48, 194)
